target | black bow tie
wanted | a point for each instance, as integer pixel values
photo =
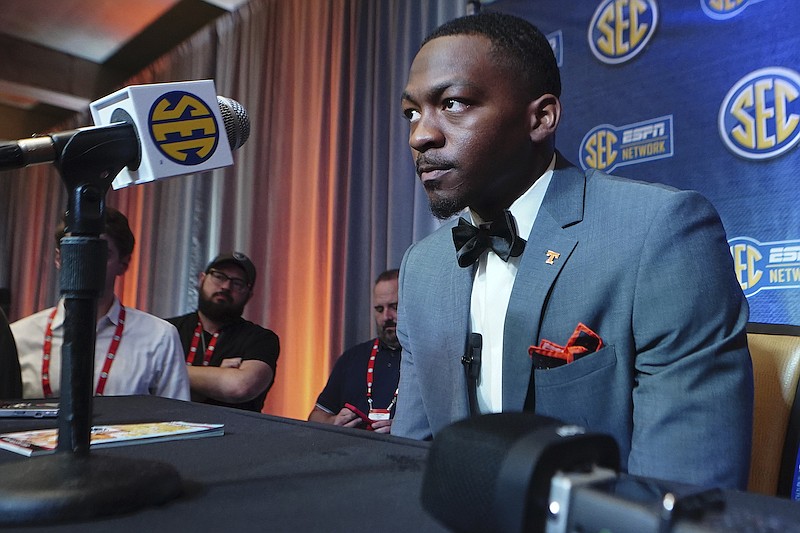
(500, 235)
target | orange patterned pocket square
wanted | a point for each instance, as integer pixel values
(583, 341)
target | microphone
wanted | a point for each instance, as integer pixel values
(237, 123)
(521, 472)
(173, 128)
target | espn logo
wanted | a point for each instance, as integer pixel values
(606, 147)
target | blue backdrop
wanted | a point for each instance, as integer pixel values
(698, 94)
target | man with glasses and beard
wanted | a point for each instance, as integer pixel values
(362, 388)
(231, 361)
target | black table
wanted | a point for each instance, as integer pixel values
(277, 474)
(265, 474)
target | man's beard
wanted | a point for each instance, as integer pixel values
(441, 208)
(444, 208)
(219, 311)
(389, 338)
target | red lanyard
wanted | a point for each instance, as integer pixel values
(112, 352)
(371, 373)
(198, 332)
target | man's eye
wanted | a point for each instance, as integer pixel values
(452, 104)
(412, 115)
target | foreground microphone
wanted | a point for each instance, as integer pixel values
(175, 128)
(493, 472)
(520, 473)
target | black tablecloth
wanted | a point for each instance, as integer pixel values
(265, 474)
(277, 474)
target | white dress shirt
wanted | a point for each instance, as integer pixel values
(149, 359)
(491, 291)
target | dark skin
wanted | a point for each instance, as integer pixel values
(476, 139)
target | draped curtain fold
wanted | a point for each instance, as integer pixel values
(323, 196)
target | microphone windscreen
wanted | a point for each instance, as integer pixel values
(493, 472)
(237, 123)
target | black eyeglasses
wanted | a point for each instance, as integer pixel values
(237, 284)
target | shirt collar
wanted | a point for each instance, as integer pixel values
(113, 312)
(383, 346)
(111, 316)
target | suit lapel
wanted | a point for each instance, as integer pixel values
(538, 269)
(460, 294)
(451, 325)
(457, 293)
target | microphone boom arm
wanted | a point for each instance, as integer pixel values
(110, 143)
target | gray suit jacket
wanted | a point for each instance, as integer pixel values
(645, 266)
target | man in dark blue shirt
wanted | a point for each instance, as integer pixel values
(362, 388)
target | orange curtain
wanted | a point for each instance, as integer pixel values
(277, 204)
(322, 197)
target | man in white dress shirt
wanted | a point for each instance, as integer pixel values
(135, 352)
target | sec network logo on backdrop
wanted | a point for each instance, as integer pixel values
(183, 128)
(768, 265)
(620, 29)
(607, 147)
(760, 116)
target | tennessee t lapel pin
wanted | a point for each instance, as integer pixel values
(551, 257)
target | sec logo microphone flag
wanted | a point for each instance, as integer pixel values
(179, 125)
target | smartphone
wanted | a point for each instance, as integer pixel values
(361, 414)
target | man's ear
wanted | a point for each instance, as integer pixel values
(125, 262)
(544, 114)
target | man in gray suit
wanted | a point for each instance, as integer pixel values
(597, 300)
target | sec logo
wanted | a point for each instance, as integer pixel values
(183, 128)
(620, 29)
(760, 116)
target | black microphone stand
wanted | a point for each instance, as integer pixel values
(73, 484)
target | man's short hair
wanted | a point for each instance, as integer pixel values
(388, 275)
(116, 229)
(516, 43)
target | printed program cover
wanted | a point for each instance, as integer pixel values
(43, 441)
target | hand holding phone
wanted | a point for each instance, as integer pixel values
(361, 414)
